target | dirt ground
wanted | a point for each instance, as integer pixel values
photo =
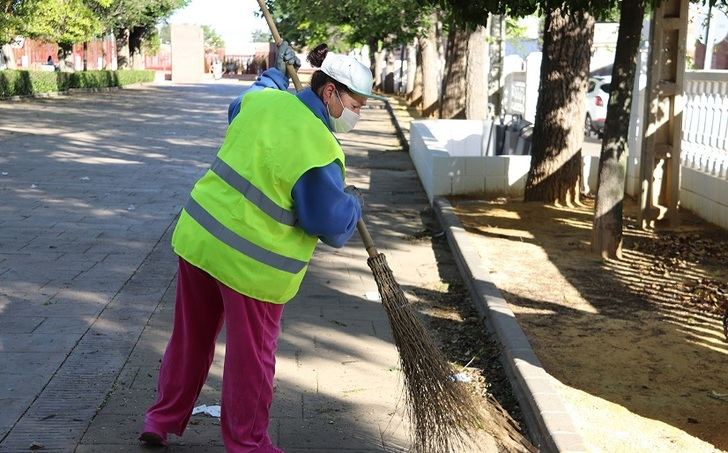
(636, 346)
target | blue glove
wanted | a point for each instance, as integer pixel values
(285, 56)
(356, 193)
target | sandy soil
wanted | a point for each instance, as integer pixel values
(636, 346)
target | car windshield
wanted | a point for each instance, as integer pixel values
(606, 87)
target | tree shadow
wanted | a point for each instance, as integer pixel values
(634, 317)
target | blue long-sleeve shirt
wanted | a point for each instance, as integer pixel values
(322, 207)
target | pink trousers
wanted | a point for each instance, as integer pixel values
(252, 328)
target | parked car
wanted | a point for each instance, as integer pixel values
(597, 99)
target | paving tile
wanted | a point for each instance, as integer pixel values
(331, 432)
(20, 324)
(21, 363)
(37, 342)
(336, 382)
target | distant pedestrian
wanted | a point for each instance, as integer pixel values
(245, 238)
(49, 61)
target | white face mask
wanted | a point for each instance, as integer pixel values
(346, 121)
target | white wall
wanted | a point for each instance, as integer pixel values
(454, 157)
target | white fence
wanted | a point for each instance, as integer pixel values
(704, 173)
(704, 145)
(705, 122)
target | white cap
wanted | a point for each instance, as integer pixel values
(349, 71)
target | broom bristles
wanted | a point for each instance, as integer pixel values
(443, 413)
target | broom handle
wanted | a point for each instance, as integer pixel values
(366, 238)
(361, 226)
(277, 38)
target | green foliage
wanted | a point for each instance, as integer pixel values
(165, 34)
(67, 22)
(10, 23)
(152, 44)
(119, 14)
(131, 77)
(212, 39)
(24, 83)
(140, 17)
(261, 36)
(514, 30)
(63, 21)
(348, 23)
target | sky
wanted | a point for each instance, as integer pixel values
(234, 20)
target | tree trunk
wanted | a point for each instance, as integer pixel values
(85, 56)
(9, 57)
(430, 69)
(417, 84)
(476, 91)
(607, 228)
(65, 60)
(372, 45)
(411, 68)
(558, 133)
(380, 67)
(103, 52)
(452, 100)
(402, 59)
(496, 50)
(135, 47)
(123, 54)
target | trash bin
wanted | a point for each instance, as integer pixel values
(523, 144)
(500, 136)
(508, 135)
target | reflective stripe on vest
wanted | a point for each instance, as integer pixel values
(252, 193)
(242, 245)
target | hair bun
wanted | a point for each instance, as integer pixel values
(317, 55)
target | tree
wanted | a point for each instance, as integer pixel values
(607, 227)
(558, 133)
(261, 36)
(476, 79)
(10, 23)
(165, 34)
(454, 86)
(464, 86)
(430, 57)
(65, 22)
(212, 39)
(380, 24)
(133, 21)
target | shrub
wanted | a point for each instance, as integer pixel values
(24, 83)
(131, 77)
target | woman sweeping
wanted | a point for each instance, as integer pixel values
(245, 238)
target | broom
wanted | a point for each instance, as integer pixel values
(443, 413)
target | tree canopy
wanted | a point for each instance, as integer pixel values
(212, 39)
(61, 21)
(71, 21)
(348, 23)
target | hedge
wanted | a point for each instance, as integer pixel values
(24, 83)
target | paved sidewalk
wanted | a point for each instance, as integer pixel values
(87, 277)
(89, 185)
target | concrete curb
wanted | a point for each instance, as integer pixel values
(544, 413)
(400, 133)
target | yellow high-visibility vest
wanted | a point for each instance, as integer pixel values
(239, 224)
